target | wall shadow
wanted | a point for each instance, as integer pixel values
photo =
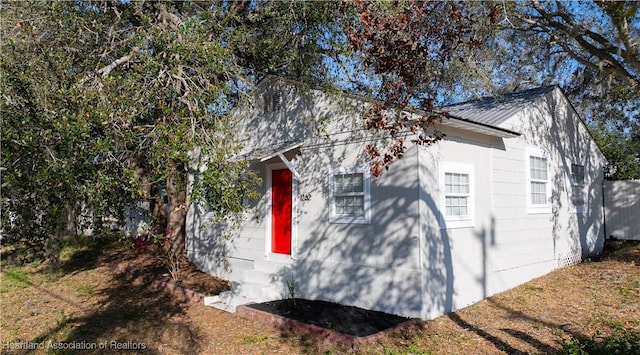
(553, 125)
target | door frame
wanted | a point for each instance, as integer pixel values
(269, 255)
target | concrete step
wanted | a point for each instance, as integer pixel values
(232, 303)
(249, 289)
(210, 300)
(258, 276)
(260, 291)
(243, 293)
(273, 267)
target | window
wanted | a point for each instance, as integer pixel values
(538, 180)
(349, 189)
(577, 186)
(539, 184)
(457, 195)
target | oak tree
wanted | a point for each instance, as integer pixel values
(105, 102)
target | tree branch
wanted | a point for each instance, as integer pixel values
(105, 71)
(611, 59)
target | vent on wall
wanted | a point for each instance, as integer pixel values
(272, 101)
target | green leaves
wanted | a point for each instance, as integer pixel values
(410, 48)
(104, 102)
(622, 152)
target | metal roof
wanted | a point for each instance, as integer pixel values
(483, 116)
(493, 111)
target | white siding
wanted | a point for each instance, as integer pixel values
(508, 245)
(408, 261)
(622, 203)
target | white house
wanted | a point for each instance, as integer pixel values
(513, 192)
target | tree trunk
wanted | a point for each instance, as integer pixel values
(71, 218)
(158, 212)
(176, 191)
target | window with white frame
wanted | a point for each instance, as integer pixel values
(349, 195)
(457, 195)
(456, 189)
(539, 184)
(577, 186)
(539, 180)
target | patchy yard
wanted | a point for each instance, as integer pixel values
(90, 301)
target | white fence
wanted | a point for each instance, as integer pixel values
(622, 209)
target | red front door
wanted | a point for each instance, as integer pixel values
(281, 211)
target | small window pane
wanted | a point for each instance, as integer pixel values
(456, 206)
(456, 183)
(538, 168)
(340, 205)
(464, 184)
(538, 193)
(358, 183)
(337, 183)
(349, 205)
(348, 183)
(577, 174)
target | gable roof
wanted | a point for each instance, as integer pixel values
(493, 111)
(483, 115)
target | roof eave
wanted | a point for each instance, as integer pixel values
(467, 125)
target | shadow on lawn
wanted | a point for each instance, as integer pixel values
(496, 341)
(129, 311)
(622, 341)
(501, 344)
(620, 250)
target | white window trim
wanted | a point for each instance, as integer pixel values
(269, 255)
(366, 176)
(572, 184)
(449, 222)
(537, 208)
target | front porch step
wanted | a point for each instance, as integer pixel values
(279, 267)
(261, 277)
(243, 293)
(230, 303)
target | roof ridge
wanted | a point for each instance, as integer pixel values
(507, 96)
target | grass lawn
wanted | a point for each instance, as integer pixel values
(592, 307)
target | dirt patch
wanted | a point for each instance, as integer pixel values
(339, 318)
(147, 265)
(620, 250)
